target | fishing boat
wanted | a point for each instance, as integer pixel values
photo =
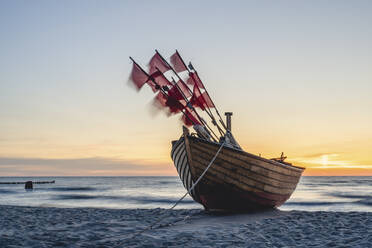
(237, 181)
(211, 164)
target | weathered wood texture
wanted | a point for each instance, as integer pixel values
(254, 178)
(237, 181)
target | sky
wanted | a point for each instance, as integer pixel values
(296, 74)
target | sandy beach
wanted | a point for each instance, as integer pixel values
(90, 227)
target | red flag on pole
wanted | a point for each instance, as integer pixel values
(160, 99)
(160, 79)
(196, 99)
(207, 100)
(177, 62)
(190, 118)
(173, 105)
(138, 77)
(200, 100)
(156, 63)
(175, 92)
(195, 80)
(183, 87)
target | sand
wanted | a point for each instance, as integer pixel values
(89, 227)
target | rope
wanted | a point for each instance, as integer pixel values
(188, 192)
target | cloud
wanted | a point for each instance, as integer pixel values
(349, 166)
(16, 166)
(315, 155)
(65, 162)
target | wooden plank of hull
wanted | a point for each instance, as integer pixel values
(215, 176)
(253, 180)
(245, 168)
(238, 181)
(247, 158)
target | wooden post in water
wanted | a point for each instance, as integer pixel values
(28, 185)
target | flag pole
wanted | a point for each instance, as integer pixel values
(161, 89)
(193, 109)
(189, 105)
(211, 114)
(165, 61)
(215, 107)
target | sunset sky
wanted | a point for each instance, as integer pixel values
(296, 74)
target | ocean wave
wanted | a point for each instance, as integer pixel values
(319, 185)
(74, 197)
(63, 189)
(166, 182)
(363, 199)
(5, 191)
(335, 182)
(135, 199)
(342, 181)
(348, 196)
(366, 201)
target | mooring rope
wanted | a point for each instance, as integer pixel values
(188, 192)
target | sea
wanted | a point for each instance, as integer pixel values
(312, 193)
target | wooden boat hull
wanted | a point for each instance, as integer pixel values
(237, 181)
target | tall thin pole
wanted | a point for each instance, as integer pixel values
(215, 107)
(210, 112)
(193, 109)
(165, 61)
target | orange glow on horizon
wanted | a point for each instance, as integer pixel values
(337, 172)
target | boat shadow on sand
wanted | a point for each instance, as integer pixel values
(203, 218)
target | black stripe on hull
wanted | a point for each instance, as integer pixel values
(180, 160)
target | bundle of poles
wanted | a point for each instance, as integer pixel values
(175, 94)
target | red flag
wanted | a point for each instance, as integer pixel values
(157, 62)
(160, 79)
(175, 101)
(176, 106)
(196, 99)
(190, 118)
(184, 88)
(138, 77)
(160, 99)
(207, 100)
(175, 93)
(173, 105)
(195, 80)
(201, 100)
(177, 62)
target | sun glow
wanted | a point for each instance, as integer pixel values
(336, 164)
(324, 160)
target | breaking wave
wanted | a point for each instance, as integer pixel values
(135, 199)
(4, 191)
(67, 189)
